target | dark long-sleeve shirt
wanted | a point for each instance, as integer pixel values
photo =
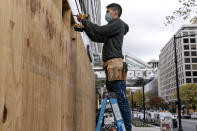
(111, 35)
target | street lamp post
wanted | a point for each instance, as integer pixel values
(177, 85)
(177, 80)
(132, 102)
(144, 106)
(144, 103)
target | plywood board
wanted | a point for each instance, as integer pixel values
(46, 80)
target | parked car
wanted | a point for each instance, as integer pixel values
(186, 116)
(134, 115)
(140, 116)
(175, 116)
(150, 117)
(161, 116)
(194, 115)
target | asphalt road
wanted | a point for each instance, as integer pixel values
(188, 125)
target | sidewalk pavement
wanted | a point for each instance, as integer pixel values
(145, 128)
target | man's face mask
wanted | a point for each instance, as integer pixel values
(108, 17)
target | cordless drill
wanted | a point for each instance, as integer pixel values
(79, 27)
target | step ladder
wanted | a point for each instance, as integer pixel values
(111, 96)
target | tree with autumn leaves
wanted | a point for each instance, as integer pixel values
(157, 103)
(138, 99)
(187, 11)
(151, 102)
(188, 94)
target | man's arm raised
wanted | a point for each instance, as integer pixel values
(106, 30)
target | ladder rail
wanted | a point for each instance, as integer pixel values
(102, 112)
(116, 112)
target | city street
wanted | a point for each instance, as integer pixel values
(145, 128)
(188, 125)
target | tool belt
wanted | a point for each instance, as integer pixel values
(115, 69)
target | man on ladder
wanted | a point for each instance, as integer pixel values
(112, 36)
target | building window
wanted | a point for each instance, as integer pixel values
(188, 73)
(187, 60)
(187, 67)
(194, 60)
(193, 53)
(185, 40)
(194, 73)
(194, 67)
(193, 47)
(192, 40)
(195, 80)
(188, 80)
(186, 47)
(186, 53)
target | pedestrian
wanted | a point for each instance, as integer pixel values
(112, 36)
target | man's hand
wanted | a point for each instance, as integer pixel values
(80, 17)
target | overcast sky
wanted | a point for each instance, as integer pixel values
(146, 18)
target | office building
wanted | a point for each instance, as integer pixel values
(187, 62)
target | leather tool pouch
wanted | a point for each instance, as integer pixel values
(116, 69)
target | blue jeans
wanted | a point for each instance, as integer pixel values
(119, 87)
